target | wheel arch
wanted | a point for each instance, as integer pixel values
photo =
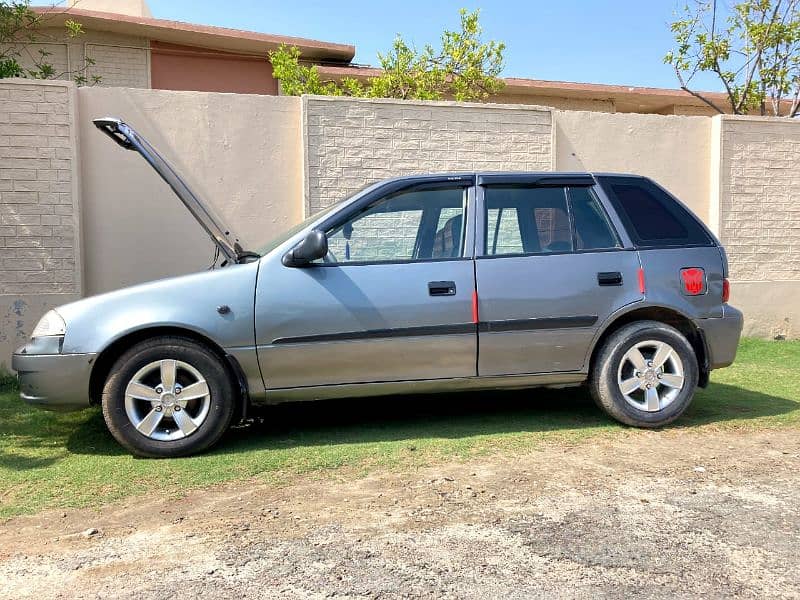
(662, 314)
(108, 356)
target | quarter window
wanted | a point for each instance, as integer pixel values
(412, 225)
(651, 216)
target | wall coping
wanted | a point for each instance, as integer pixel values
(40, 82)
(431, 103)
(758, 119)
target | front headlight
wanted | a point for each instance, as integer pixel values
(50, 325)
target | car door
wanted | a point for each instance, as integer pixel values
(550, 269)
(392, 301)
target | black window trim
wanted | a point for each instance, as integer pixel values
(546, 254)
(392, 261)
(537, 179)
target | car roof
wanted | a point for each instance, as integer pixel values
(460, 175)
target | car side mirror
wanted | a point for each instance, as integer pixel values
(313, 246)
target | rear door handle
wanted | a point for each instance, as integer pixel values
(442, 288)
(609, 278)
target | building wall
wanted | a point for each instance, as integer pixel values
(243, 153)
(673, 150)
(185, 68)
(353, 142)
(684, 109)
(40, 250)
(559, 102)
(136, 8)
(120, 60)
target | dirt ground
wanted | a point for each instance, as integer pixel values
(656, 514)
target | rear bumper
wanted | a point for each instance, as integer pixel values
(53, 381)
(722, 337)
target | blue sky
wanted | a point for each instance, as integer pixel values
(602, 41)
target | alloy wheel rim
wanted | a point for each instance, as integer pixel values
(167, 400)
(650, 376)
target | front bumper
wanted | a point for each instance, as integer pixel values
(53, 381)
(722, 336)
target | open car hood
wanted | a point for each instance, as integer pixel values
(128, 138)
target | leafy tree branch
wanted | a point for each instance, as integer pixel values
(753, 49)
(463, 68)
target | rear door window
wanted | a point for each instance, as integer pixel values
(592, 228)
(544, 220)
(526, 220)
(651, 216)
(503, 234)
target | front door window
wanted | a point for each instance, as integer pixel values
(413, 225)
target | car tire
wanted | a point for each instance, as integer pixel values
(168, 397)
(656, 400)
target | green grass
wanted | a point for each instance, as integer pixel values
(52, 460)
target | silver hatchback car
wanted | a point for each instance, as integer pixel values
(427, 283)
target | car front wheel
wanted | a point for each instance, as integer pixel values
(645, 374)
(167, 397)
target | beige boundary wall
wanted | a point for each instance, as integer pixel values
(67, 192)
(352, 142)
(755, 197)
(40, 228)
(673, 150)
(241, 152)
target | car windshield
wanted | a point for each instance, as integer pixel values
(279, 239)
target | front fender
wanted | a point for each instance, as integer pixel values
(189, 302)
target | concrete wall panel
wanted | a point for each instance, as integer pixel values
(353, 142)
(673, 150)
(759, 197)
(40, 241)
(240, 152)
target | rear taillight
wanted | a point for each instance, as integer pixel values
(726, 290)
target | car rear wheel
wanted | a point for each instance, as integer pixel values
(166, 397)
(645, 374)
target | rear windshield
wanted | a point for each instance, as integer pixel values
(651, 216)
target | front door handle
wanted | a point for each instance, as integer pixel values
(442, 288)
(609, 278)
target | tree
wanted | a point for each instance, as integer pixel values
(464, 68)
(20, 33)
(753, 48)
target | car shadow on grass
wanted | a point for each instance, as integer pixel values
(451, 416)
